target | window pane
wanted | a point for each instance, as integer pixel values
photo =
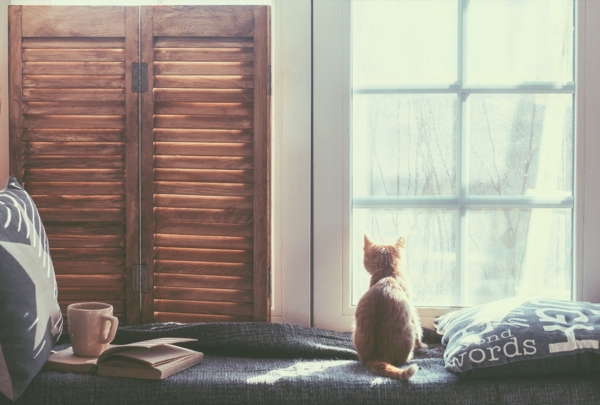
(430, 260)
(516, 41)
(518, 252)
(520, 144)
(404, 145)
(409, 41)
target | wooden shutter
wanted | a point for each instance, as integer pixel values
(205, 163)
(74, 141)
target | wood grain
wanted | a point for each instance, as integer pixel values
(204, 95)
(74, 148)
(202, 122)
(15, 92)
(203, 255)
(203, 307)
(204, 54)
(74, 68)
(74, 108)
(91, 294)
(35, 94)
(77, 161)
(203, 68)
(79, 201)
(74, 135)
(167, 226)
(81, 215)
(205, 242)
(215, 216)
(80, 241)
(74, 81)
(203, 149)
(203, 268)
(205, 82)
(208, 21)
(189, 108)
(207, 189)
(73, 55)
(74, 43)
(61, 188)
(202, 281)
(84, 228)
(88, 268)
(202, 42)
(211, 176)
(193, 318)
(81, 175)
(198, 201)
(204, 162)
(61, 21)
(87, 254)
(203, 294)
(85, 280)
(262, 166)
(74, 121)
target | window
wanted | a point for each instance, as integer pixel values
(453, 123)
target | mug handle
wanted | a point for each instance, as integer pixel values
(114, 323)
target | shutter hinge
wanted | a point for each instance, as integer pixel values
(139, 77)
(270, 281)
(269, 80)
(140, 278)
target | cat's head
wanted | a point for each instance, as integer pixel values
(383, 259)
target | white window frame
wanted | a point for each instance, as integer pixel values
(331, 169)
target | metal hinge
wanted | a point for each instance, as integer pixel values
(140, 278)
(139, 77)
(269, 80)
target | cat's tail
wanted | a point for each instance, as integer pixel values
(389, 370)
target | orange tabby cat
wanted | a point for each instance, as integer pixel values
(387, 324)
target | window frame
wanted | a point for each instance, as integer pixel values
(331, 169)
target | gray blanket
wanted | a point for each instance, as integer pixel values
(260, 363)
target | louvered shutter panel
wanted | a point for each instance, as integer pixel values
(74, 141)
(205, 168)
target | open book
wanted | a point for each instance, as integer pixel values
(150, 359)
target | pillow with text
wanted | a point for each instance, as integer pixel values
(522, 337)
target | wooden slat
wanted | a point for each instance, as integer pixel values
(203, 268)
(33, 94)
(203, 255)
(82, 215)
(73, 55)
(203, 294)
(79, 241)
(86, 280)
(91, 294)
(202, 122)
(62, 267)
(212, 176)
(76, 161)
(202, 42)
(207, 242)
(15, 92)
(87, 254)
(202, 281)
(78, 201)
(203, 149)
(83, 43)
(73, 135)
(201, 95)
(203, 68)
(167, 226)
(204, 162)
(74, 68)
(187, 108)
(74, 108)
(189, 215)
(204, 82)
(204, 54)
(118, 305)
(74, 148)
(58, 188)
(203, 307)
(194, 201)
(194, 318)
(74, 81)
(82, 175)
(74, 121)
(84, 228)
(262, 166)
(60, 21)
(209, 21)
(207, 189)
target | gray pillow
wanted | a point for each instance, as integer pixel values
(31, 317)
(522, 337)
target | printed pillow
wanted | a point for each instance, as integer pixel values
(31, 318)
(522, 337)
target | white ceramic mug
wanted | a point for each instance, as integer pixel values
(92, 327)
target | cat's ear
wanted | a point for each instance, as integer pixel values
(368, 242)
(401, 242)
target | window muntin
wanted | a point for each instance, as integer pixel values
(469, 156)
